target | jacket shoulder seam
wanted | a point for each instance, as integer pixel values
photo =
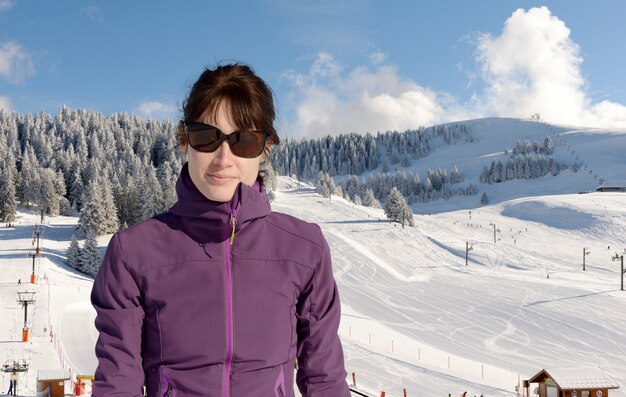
(125, 263)
(294, 234)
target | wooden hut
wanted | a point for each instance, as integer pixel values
(52, 382)
(612, 186)
(570, 382)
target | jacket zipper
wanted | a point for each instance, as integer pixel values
(169, 391)
(228, 276)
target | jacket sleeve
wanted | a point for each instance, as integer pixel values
(321, 371)
(117, 299)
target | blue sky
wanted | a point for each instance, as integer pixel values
(335, 65)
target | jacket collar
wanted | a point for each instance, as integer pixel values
(247, 203)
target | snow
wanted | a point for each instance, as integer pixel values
(581, 378)
(414, 316)
(57, 290)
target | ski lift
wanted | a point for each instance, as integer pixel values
(15, 366)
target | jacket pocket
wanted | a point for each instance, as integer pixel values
(168, 388)
(279, 385)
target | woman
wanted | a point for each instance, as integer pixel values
(220, 296)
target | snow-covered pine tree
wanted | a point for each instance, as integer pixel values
(427, 186)
(65, 208)
(150, 195)
(548, 146)
(352, 186)
(30, 191)
(51, 188)
(485, 176)
(8, 203)
(324, 184)
(397, 209)
(553, 167)
(74, 254)
(77, 188)
(99, 212)
(131, 201)
(509, 172)
(369, 200)
(456, 176)
(395, 157)
(90, 256)
(109, 211)
(405, 161)
(484, 200)
(91, 213)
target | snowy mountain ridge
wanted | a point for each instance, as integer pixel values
(498, 159)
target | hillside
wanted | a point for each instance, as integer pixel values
(414, 315)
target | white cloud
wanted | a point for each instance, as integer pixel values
(15, 64)
(156, 110)
(5, 103)
(331, 101)
(6, 4)
(533, 66)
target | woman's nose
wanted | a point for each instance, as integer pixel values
(223, 153)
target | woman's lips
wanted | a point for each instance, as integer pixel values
(219, 178)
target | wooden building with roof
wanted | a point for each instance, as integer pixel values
(570, 382)
(54, 382)
(612, 186)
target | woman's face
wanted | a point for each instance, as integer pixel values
(217, 174)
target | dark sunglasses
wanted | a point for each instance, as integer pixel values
(243, 143)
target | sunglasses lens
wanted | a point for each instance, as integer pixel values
(248, 144)
(206, 138)
(203, 139)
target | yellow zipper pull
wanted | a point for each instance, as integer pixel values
(232, 235)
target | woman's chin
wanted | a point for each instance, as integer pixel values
(221, 193)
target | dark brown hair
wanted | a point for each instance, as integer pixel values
(249, 98)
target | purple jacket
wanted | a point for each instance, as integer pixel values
(216, 300)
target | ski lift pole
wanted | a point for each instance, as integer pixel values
(467, 250)
(32, 276)
(38, 231)
(585, 253)
(621, 258)
(25, 298)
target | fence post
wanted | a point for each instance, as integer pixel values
(353, 379)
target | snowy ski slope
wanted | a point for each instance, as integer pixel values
(414, 315)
